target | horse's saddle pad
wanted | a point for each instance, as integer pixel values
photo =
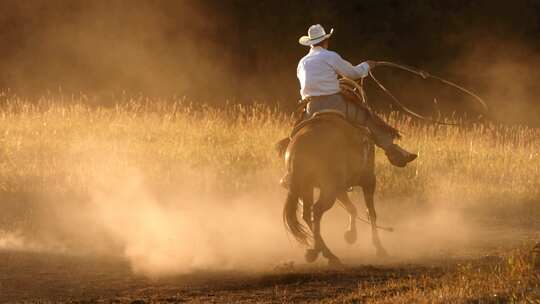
(336, 118)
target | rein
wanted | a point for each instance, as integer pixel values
(424, 75)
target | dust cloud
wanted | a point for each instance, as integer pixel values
(115, 46)
(505, 77)
(430, 231)
(184, 230)
(159, 231)
(192, 231)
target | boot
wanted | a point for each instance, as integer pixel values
(285, 181)
(398, 156)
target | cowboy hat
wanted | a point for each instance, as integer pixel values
(315, 35)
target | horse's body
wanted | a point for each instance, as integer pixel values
(332, 155)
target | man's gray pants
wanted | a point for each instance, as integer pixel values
(354, 113)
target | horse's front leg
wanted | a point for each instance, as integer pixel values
(369, 191)
(350, 234)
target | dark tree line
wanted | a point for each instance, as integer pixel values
(244, 50)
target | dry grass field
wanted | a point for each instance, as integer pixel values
(165, 201)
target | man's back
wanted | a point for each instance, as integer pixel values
(319, 69)
(316, 73)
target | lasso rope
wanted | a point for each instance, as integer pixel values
(424, 75)
(385, 228)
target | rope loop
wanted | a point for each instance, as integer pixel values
(424, 75)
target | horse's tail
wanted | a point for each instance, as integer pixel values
(290, 217)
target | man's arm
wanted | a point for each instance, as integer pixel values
(371, 63)
(346, 69)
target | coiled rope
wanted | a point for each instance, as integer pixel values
(423, 75)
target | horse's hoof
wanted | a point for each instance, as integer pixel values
(350, 236)
(335, 263)
(311, 255)
(381, 253)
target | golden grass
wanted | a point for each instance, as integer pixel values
(507, 278)
(64, 143)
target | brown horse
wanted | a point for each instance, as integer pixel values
(330, 154)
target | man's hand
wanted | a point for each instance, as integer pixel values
(371, 63)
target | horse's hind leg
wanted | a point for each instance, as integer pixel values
(307, 206)
(369, 190)
(323, 204)
(350, 234)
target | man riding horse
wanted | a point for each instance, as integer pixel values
(319, 87)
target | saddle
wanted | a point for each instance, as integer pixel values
(358, 134)
(353, 93)
(334, 117)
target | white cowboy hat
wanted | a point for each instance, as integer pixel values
(315, 35)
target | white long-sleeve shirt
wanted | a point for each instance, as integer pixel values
(319, 69)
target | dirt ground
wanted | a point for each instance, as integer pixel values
(37, 277)
(32, 277)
